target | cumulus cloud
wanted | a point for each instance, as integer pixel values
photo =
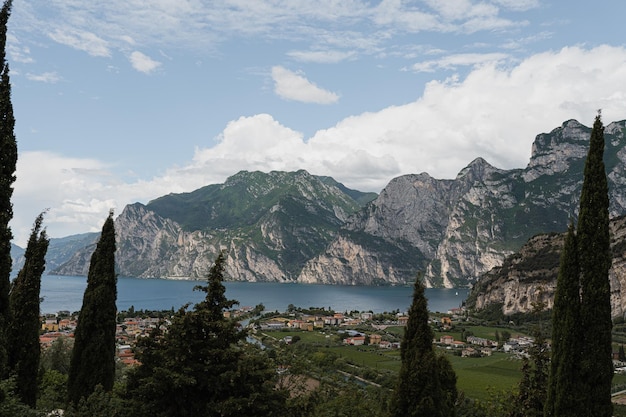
(494, 113)
(294, 86)
(143, 63)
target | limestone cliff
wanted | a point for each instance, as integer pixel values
(462, 228)
(269, 225)
(529, 276)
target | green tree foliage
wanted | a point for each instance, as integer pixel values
(582, 312)
(93, 357)
(10, 405)
(531, 399)
(100, 403)
(595, 260)
(347, 400)
(564, 389)
(52, 391)
(201, 366)
(8, 162)
(427, 383)
(58, 356)
(23, 332)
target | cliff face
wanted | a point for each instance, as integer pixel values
(290, 227)
(462, 228)
(269, 224)
(529, 276)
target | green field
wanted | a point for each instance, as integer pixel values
(478, 378)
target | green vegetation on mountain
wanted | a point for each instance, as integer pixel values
(93, 357)
(362, 198)
(247, 196)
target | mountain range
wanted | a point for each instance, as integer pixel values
(298, 227)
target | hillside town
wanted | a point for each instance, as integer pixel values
(348, 329)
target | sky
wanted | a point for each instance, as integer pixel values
(123, 101)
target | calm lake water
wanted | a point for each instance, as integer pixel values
(66, 293)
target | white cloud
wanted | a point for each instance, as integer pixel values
(82, 40)
(18, 52)
(100, 27)
(519, 5)
(322, 57)
(452, 62)
(46, 77)
(79, 192)
(493, 113)
(294, 86)
(143, 63)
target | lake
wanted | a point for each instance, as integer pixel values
(66, 293)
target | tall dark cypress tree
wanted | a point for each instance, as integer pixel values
(93, 357)
(427, 384)
(23, 333)
(564, 384)
(8, 162)
(595, 261)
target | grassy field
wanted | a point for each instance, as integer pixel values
(478, 378)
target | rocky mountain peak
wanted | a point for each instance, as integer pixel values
(477, 170)
(555, 152)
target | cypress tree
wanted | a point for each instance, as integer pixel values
(595, 261)
(427, 384)
(564, 384)
(93, 357)
(23, 334)
(8, 162)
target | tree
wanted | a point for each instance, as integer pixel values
(583, 301)
(93, 357)
(564, 389)
(23, 333)
(595, 261)
(531, 399)
(8, 162)
(201, 365)
(427, 383)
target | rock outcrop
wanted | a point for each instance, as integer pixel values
(462, 228)
(269, 224)
(529, 276)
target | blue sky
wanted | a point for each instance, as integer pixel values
(123, 101)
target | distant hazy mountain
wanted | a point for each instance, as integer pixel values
(295, 227)
(60, 251)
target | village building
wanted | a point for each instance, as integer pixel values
(354, 341)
